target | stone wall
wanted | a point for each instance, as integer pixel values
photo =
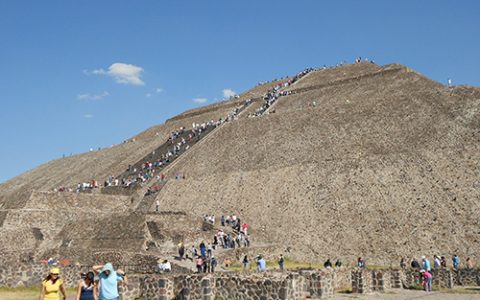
(342, 278)
(318, 284)
(291, 285)
(28, 275)
(466, 277)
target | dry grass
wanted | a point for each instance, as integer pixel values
(26, 293)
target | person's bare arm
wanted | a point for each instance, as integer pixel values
(42, 293)
(95, 291)
(97, 268)
(79, 291)
(62, 289)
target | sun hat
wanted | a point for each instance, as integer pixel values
(54, 271)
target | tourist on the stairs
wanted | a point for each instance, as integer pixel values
(199, 264)
(361, 263)
(281, 262)
(338, 263)
(470, 263)
(426, 264)
(427, 280)
(245, 262)
(213, 264)
(209, 250)
(181, 250)
(87, 289)
(436, 262)
(443, 262)
(327, 264)
(203, 249)
(261, 264)
(109, 280)
(52, 286)
(165, 266)
(415, 264)
(194, 251)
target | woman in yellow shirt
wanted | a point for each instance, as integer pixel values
(52, 285)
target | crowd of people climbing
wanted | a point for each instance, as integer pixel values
(182, 139)
(272, 95)
(178, 141)
(232, 233)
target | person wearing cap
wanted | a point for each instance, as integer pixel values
(52, 286)
(109, 280)
(426, 264)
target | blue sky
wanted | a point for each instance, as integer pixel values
(76, 75)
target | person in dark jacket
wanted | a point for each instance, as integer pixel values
(415, 264)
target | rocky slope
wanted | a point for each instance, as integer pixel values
(360, 160)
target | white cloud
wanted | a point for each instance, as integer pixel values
(200, 100)
(148, 95)
(158, 90)
(87, 97)
(123, 73)
(88, 116)
(228, 93)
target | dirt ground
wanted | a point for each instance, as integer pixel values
(394, 295)
(414, 294)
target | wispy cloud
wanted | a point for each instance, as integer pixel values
(93, 97)
(227, 93)
(200, 100)
(122, 73)
(148, 95)
(158, 90)
(88, 116)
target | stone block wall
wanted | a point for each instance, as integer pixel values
(253, 286)
(466, 277)
(361, 281)
(396, 279)
(342, 278)
(319, 284)
(27, 275)
(379, 281)
(442, 278)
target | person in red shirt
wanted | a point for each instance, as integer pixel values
(427, 280)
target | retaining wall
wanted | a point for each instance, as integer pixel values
(318, 284)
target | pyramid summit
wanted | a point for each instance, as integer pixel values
(339, 162)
